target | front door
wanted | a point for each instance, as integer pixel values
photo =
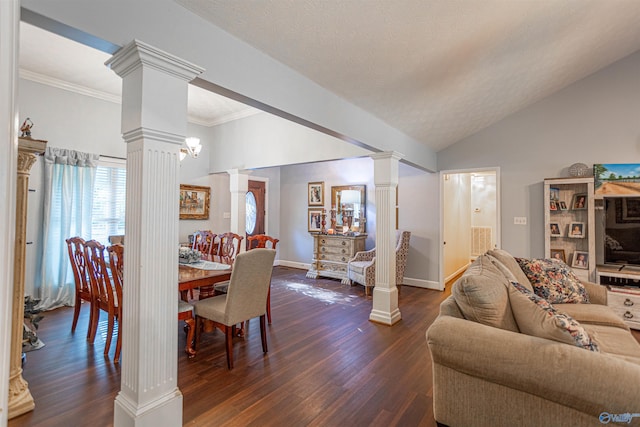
(255, 209)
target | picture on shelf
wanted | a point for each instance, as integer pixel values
(554, 193)
(576, 230)
(580, 260)
(555, 230)
(562, 205)
(553, 205)
(558, 254)
(579, 201)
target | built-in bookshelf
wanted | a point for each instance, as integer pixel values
(570, 224)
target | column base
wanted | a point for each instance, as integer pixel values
(166, 411)
(20, 399)
(385, 306)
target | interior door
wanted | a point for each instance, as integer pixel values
(255, 201)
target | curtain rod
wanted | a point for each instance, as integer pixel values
(113, 157)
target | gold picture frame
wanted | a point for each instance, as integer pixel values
(194, 201)
(315, 193)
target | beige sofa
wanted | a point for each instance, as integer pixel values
(488, 373)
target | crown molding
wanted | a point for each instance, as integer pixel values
(226, 118)
(71, 87)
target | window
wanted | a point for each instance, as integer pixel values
(108, 201)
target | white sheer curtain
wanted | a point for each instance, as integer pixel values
(68, 200)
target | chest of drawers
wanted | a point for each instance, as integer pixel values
(626, 306)
(331, 253)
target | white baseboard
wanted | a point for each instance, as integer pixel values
(421, 283)
(292, 264)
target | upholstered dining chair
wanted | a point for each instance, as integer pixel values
(263, 241)
(245, 299)
(104, 291)
(362, 267)
(75, 246)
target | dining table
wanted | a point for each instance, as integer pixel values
(203, 273)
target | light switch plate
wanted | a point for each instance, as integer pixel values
(520, 220)
(226, 215)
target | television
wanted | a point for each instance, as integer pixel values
(622, 231)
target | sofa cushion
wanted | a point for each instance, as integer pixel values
(537, 317)
(481, 295)
(554, 281)
(593, 314)
(615, 341)
(510, 262)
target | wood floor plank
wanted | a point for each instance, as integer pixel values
(327, 365)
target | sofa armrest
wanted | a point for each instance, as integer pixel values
(597, 293)
(588, 382)
(364, 255)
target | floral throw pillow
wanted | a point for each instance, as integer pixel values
(554, 281)
(537, 317)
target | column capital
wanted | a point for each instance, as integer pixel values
(152, 134)
(387, 155)
(138, 54)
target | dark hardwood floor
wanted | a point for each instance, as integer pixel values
(327, 365)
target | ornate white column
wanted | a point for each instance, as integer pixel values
(238, 186)
(385, 294)
(9, 42)
(154, 124)
(20, 399)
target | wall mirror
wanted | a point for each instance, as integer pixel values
(349, 204)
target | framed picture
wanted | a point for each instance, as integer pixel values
(580, 260)
(194, 202)
(558, 254)
(579, 201)
(576, 230)
(314, 220)
(554, 193)
(553, 205)
(315, 193)
(562, 205)
(555, 230)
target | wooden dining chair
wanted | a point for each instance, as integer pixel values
(245, 299)
(75, 246)
(185, 313)
(116, 262)
(228, 249)
(204, 241)
(263, 241)
(104, 291)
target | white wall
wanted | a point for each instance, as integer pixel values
(592, 121)
(264, 140)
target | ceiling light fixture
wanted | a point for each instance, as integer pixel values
(193, 148)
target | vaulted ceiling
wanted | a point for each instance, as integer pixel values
(438, 70)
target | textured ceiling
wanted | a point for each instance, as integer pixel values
(57, 61)
(438, 70)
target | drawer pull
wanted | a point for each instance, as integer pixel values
(628, 315)
(628, 302)
(344, 251)
(343, 259)
(324, 242)
(323, 249)
(344, 243)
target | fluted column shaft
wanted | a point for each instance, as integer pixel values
(385, 294)
(154, 122)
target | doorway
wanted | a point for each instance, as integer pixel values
(470, 218)
(255, 204)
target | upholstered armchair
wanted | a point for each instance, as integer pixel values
(362, 267)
